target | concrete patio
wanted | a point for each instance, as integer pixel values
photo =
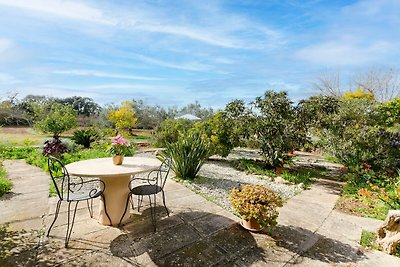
(197, 232)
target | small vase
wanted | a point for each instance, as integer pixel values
(251, 225)
(118, 159)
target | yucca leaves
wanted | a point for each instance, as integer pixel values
(187, 155)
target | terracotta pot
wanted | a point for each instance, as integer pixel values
(118, 159)
(251, 225)
(279, 170)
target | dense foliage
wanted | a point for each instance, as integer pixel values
(57, 120)
(54, 147)
(256, 202)
(187, 155)
(171, 130)
(85, 137)
(123, 117)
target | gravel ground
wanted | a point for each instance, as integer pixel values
(217, 177)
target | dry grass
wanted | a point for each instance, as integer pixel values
(21, 136)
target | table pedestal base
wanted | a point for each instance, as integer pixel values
(115, 194)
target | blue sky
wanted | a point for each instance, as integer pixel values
(175, 52)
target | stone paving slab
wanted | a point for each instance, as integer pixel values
(197, 232)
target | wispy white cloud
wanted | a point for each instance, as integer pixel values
(134, 88)
(343, 53)
(191, 32)
(8, 79)
(191, 66)
(102, 74)
(74, 10)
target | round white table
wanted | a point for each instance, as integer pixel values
(116, 180)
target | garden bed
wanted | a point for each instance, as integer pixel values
(218, 176)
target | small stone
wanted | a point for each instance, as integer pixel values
(280, 180)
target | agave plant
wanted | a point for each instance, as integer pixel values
(187, 155)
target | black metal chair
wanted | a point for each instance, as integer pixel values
(73, 189)
(150, 186)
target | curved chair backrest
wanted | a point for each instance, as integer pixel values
(60, 177)
(163, 172)
(158, 177)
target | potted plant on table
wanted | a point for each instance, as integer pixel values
(119, 148)
(257, 205)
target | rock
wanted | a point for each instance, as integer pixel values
(389, 232)
(280, 180)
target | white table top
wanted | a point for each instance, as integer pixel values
(104, 167)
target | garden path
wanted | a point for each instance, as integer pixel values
(197, 233)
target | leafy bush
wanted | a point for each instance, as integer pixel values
(59, 119)
(388, 113)
(187, 156)
(5, 184)
(85, 137)
(217, 131)
(171, 130)
(276, 126)
(124, 117)
(54, 147)
(256, 202)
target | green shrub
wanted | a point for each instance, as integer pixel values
(85, 137)
(187, 156)
(59, 119)
(277, 128)
(5, 184)
(256, 202)
(171, 130)
(217, 131)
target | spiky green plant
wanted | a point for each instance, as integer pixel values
(187, 155)
(85, 137)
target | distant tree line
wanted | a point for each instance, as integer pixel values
(25, 111)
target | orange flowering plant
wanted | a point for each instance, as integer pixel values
(390, 196)
(257, 202)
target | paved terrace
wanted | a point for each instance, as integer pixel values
(197, 232)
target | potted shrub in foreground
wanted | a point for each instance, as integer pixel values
(257, 205)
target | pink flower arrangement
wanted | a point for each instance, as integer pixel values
(119, 146)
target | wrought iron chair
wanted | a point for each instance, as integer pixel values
(73, 189)
(150, 186)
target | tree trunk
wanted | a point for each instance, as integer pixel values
(389, 232)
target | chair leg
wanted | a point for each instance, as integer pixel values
(69, 229)
(140, 201)
(126, 209)
(105, 208)
(132, 204)
(163, 198)
(90, 207)
(153, 212)
(55, 216)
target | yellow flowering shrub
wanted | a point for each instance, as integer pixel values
(257, 202)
